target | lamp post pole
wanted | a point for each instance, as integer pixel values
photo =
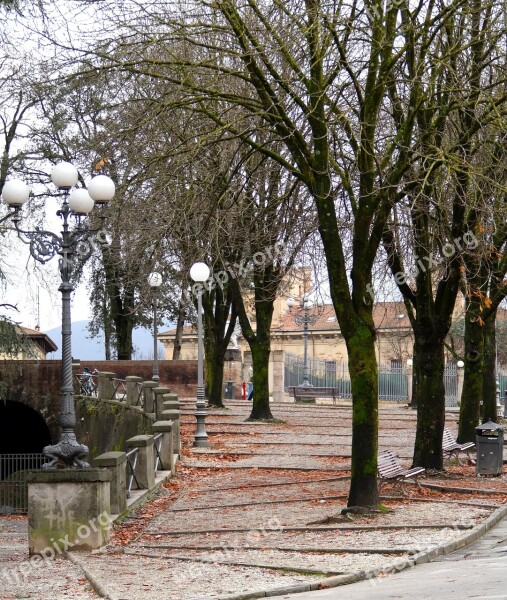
(304, 319)
(199, 273)
(155, 280)
(74, 247)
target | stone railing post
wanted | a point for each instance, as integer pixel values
(68, 504)
(116, 463)
(149, 396)
(167, 456)
(171, 402)
(132, 382)
(174, 416)
(106, 389)
(158, 401)
(145, 469)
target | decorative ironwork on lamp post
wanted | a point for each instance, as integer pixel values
(155, 281)
(74, 246)
(199, 273)
(304, 319)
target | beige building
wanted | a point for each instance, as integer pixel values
(325, 340)
(36, 345)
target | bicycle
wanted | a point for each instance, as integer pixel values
(87, 386)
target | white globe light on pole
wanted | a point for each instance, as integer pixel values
(64, 175)
(155, 281)
(15, 193)
(102, 189)
(80, 202)
(199, 272)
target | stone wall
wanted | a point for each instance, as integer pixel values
(105, 425)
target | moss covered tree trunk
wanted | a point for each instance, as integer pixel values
(469, 412)
(260, 364)
(489, 408)
(364, 381)
(124, 327)
(429, 366)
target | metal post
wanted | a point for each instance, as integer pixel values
(505, 405)
(306, 369)
(155, 376)
(201, 437)
(68, 450)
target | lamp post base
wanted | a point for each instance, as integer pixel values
(68, 451)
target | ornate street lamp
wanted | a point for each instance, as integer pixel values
(155, 281)
(199, 272)
(304, 319)
(74, 246)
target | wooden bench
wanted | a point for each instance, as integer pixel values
(300, 391)
(451, 447)
(390, 470)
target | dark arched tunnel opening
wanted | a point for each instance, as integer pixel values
(22, 430)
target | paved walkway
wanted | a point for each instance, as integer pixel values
(258, 513)
(477, 571)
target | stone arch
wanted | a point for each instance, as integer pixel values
(22, 429)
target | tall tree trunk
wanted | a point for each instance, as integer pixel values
(469, 411)
(178, 336)
(429, 363)
(214, 371)
(364, 381)
(124, 327)
(489, 409)
(260, 363)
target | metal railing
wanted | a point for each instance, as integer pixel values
(392, 379)
(157, 445)
(120, 390)
(140, 395)
(132, 457)
(13, 484)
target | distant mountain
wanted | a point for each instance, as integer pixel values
(86, 348)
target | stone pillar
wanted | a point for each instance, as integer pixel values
(174, 416)
(106, 388)
(133, 390)
(116, 463)
(278, 360)
(460, 375)
(171, 402)
(233, 370)
(145, 469)
(71, 505)
(167, 456)
(410, 382)
(158, 400)
(149, 396)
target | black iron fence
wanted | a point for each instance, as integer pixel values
(13, 485)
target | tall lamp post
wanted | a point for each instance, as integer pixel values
(304, 319)
(74, 246)
(199, 272)
(155, 281)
